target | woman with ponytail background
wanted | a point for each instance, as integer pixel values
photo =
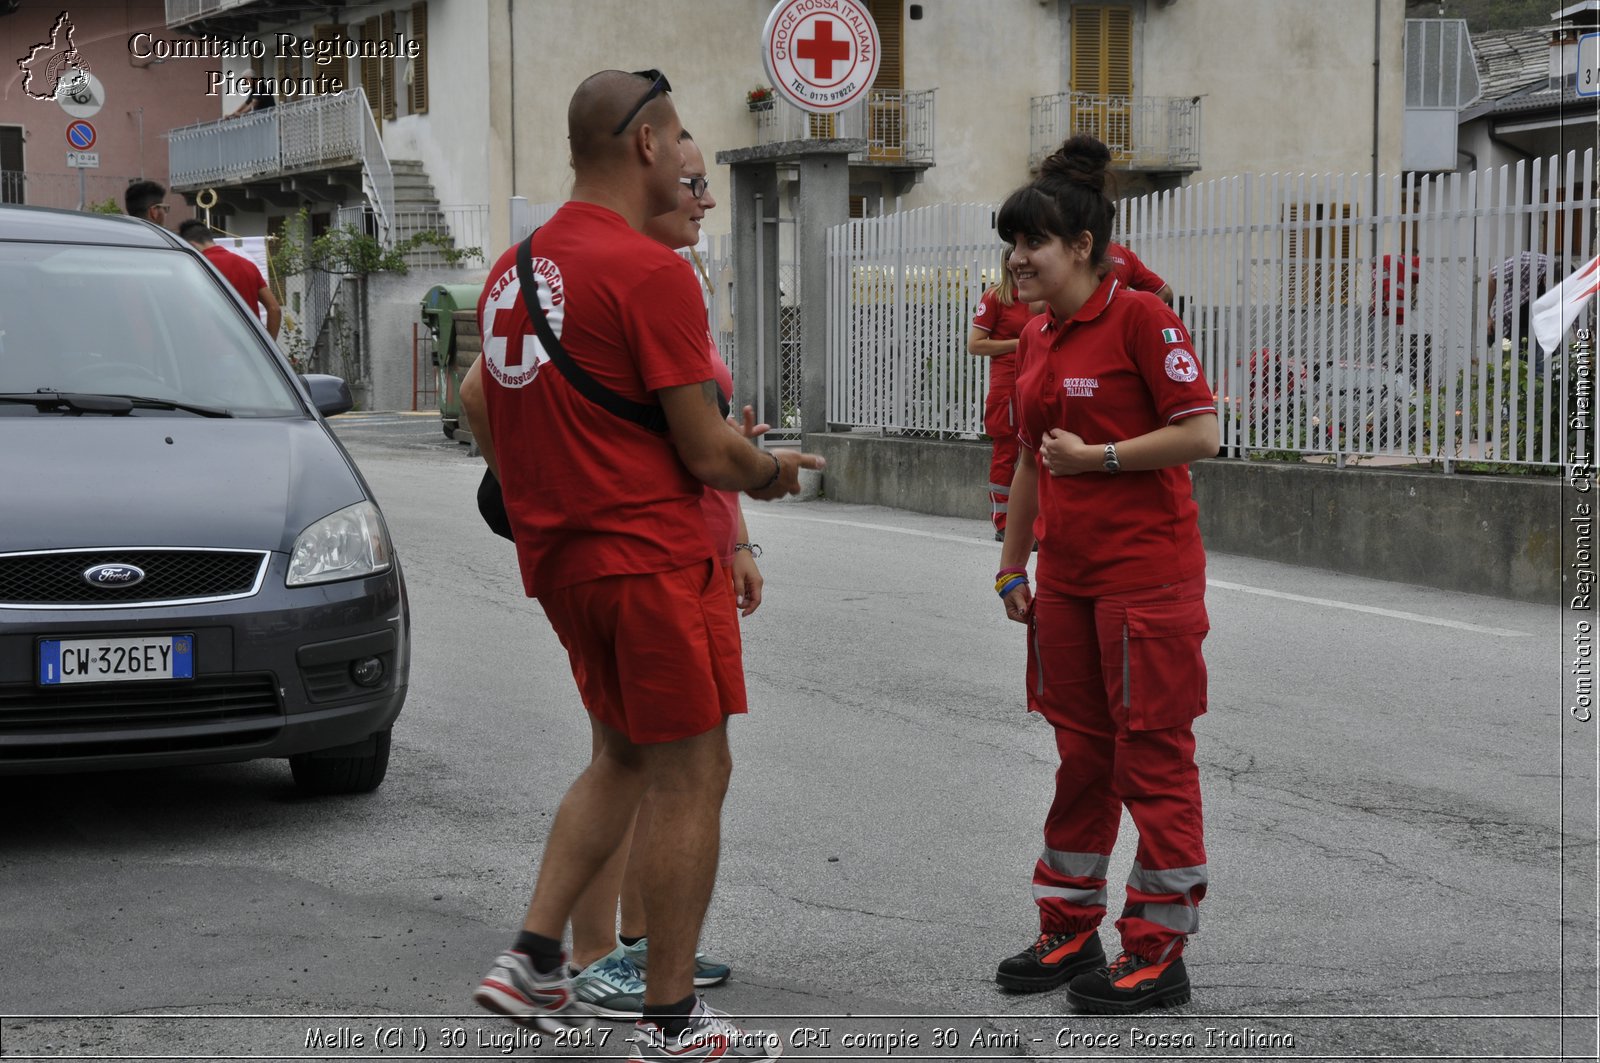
(1112, 407)
(995, 328)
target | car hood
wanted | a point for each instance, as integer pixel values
(81, 482)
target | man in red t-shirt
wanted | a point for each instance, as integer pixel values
(239, 271)
(1135, 275)
(612, 540)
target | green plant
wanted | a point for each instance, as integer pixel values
(110, 206)
(759, 94)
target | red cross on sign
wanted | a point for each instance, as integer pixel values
(822, 56)
(822, 49)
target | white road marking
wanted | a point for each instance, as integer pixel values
(1373, 610)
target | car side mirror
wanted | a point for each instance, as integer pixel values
(329, 394)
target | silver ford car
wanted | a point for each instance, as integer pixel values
(192, 570)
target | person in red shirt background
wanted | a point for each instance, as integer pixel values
(239, 271)
(1112, 407)
(1134, 274)
(995, 328)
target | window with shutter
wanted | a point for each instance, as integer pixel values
(1101, 52)
(386, 67)
(339, 68)
(372, 71)
(419, 66)
(885, 107)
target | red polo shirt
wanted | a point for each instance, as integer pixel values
(1121, 367)
(588, 493)
(1132, 271)
(240, 272)
(1001, 322)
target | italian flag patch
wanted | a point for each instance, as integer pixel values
(1171, 335)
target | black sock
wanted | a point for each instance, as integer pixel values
(672, 1018)
(628, 941)
(545, 952)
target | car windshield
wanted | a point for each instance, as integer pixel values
(151, 324)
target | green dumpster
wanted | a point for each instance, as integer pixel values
(451, 313)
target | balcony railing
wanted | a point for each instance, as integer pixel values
(1143, 132)
(321, 133)
(11, 186)
(896, 124)
(180, 12)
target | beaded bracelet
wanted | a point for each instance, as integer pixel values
(1011, 585)
(753, 548)
(777, 471)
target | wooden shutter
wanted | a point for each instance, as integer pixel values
(419, 66)
(372, 70)
(339, 68)
(885, 108)
(891, 35)
(386, 67)
(1102, 74)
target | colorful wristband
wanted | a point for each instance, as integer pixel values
(1011, 585)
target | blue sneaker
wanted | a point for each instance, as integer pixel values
(610, 987)
(707, 972)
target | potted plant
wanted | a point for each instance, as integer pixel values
(759, 98)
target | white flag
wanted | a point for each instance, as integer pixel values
(1555, 310)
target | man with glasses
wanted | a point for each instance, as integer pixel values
(147, 200)
(611, 540)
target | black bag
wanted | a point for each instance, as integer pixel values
(650, 416)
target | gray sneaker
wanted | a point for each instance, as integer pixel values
(709, 1036)
(610, 987)
(707, 971)
(514, 989)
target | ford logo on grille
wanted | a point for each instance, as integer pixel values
(113, 575)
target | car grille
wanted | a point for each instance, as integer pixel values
(55, 578)
(146, 717)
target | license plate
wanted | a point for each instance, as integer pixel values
(115, 660)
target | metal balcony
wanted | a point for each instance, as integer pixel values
(1157, 134)
(896, 124)
(316, 135)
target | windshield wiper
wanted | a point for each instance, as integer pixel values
(144, 402)
(45, 400)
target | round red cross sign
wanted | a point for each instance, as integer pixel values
(821, 54)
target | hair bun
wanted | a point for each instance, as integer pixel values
(1081, 159)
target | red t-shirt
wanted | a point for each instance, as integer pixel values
(1392, 280)
(588, 493)
(721, 508)
(1132, 272)
(1123, 366)
(1001, 322)
(240, 272)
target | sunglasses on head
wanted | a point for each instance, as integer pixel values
(658, 85)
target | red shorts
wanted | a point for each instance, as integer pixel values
(656, 656)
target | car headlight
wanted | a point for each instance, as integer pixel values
(344, 545)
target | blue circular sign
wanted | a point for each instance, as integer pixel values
(80, 135)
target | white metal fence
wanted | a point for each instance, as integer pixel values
(1281, 279)
(904, 287)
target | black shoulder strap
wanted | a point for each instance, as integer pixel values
(646, 415)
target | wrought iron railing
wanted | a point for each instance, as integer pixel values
(450, 232)
(180, 12)
(314, 134)
(1143, 132)
(11, 186)
(896, 124)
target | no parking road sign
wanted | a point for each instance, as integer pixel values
(80, 135)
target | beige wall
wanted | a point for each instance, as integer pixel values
(1286, 84)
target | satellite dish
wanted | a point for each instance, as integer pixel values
(80, 93)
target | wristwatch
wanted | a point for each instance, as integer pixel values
(1112, 464)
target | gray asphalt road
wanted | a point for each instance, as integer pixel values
(1400, 816)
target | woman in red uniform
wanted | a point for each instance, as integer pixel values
(994, 332)
(1112, 407)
